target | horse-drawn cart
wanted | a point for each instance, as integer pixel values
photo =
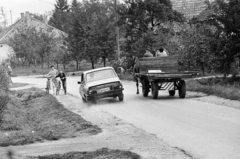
(162, 73)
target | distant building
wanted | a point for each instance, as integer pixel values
(190, 8)
(26, 21)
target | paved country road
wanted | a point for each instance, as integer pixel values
(203, 130)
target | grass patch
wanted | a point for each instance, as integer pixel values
(103, 153)
(32, 116)
(38, 70)
(226, 88)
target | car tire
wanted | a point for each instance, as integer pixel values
(172, 93)
(182, 89)
(145, 88)
(121, 97)
(154, 90)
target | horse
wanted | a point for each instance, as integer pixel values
(135, 66)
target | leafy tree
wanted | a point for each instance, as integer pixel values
(76, 41)
(225, 18)
(30, 44)
(45, 45)
(195, 50)
(140, 18)
(23, 44)
(61, 16)
(92, 31)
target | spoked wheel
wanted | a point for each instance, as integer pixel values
(154, 90)
(121, 97)
(182, 89)
(145, 88)
(172, 93)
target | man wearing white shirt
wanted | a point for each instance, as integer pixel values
(161, 53)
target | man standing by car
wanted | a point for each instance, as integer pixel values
(62, 76)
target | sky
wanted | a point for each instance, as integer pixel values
(20, 6)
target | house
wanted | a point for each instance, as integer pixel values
(26, 21)
(190, 8)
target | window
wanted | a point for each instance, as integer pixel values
(101, 74)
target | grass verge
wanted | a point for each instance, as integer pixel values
(15, 85)
(33, 116)
(225, 88)
(103, 153)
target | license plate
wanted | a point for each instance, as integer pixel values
(103, 90)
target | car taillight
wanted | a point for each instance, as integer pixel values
(91, 90)
(118, 85)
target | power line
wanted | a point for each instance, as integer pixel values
(46, 2)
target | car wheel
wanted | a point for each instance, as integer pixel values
(120, 97)
(172, 93)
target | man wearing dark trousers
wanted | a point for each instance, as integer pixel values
(62, 76)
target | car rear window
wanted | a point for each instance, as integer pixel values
(101, 74)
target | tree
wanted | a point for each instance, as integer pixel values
(91, 34)
(23, 44)
(61, 16)
(195, 51)
(140, 18)
(45, 45)
(30, 44)
(225, 18)
(76, 41)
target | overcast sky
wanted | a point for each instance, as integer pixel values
(19, 6)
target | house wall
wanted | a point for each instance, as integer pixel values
(5, 52)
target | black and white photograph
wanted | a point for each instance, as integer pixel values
(119, 79)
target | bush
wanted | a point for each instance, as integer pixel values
(4, 82)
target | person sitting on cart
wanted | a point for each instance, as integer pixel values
(161, 52)
(148, 54)
(62, 76)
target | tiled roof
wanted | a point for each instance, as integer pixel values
(204, 14)
(190, 8)
(27, 21)
(2, 34)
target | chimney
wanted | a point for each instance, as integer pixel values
(22, 15)
(27, 15)
(45, 19)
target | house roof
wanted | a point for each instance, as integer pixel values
(27, 21)
(5, 31)
(206, 13)
(190, 8)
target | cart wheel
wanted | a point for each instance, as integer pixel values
(172, 93)
(182, 89)
(120, 97)
(154, 90)
(145, 88)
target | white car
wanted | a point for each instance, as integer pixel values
(100, 83)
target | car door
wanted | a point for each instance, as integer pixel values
(82, 86)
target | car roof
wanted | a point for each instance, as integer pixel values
(98, 69)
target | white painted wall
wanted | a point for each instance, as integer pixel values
(5, 52)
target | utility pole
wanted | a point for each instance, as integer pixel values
(117, 30)
(11, 16)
